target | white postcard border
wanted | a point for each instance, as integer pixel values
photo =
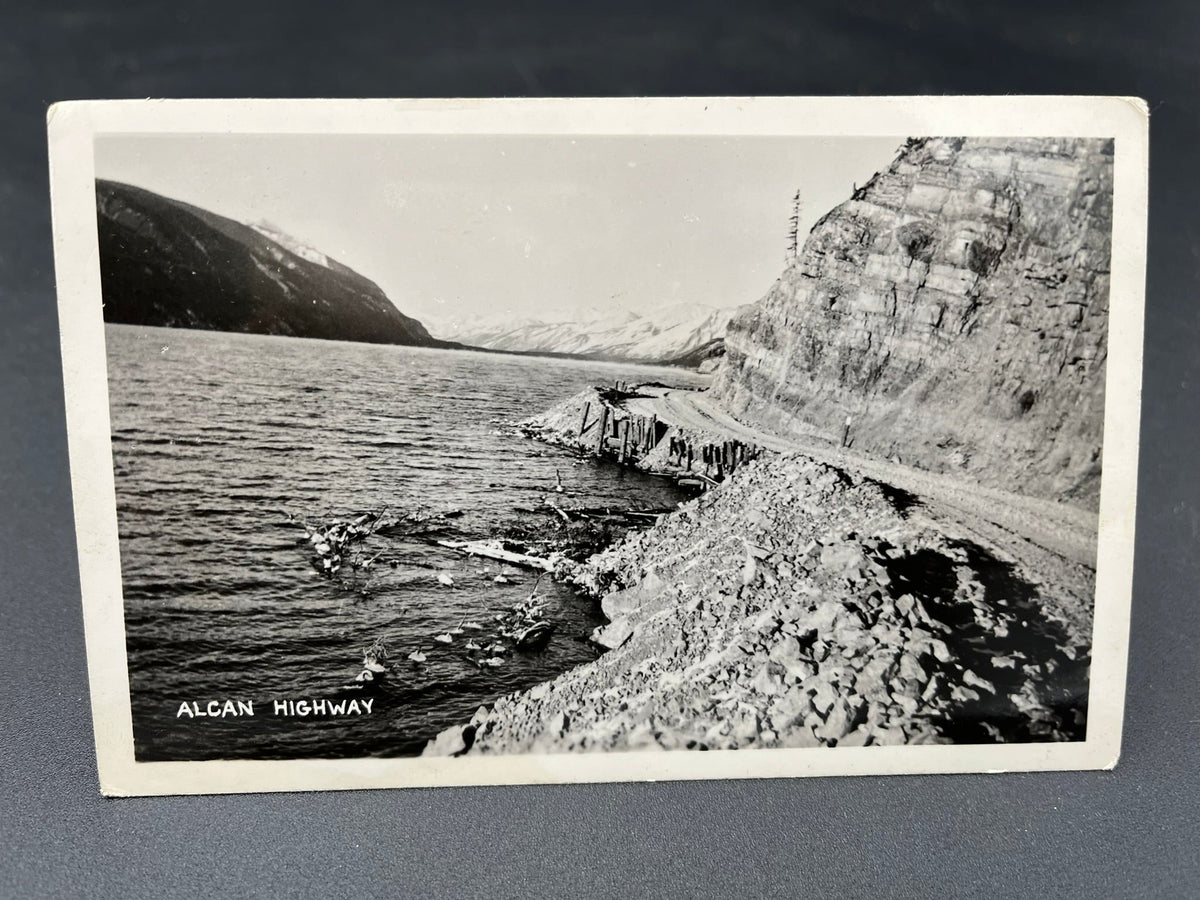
(73, 126)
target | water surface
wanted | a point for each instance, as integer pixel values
(218, 437)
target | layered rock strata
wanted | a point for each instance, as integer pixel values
(954, 312)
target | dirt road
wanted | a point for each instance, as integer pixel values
(1010, 520)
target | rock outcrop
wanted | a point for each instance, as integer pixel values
(163, 262)
(955, 310)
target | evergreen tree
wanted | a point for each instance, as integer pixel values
(793, 250)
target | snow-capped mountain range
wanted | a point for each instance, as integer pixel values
(657, 335)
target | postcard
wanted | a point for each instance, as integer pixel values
(452, 442)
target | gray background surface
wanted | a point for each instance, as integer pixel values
(1130, 832)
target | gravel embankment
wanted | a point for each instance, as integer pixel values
(797, 605)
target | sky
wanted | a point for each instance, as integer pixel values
(523, 226)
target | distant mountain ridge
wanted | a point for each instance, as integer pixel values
(682, 333)
(165, 262)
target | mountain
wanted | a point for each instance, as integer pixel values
(164, 262)
(681, 334)
(955, 309)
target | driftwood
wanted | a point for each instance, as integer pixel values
(492, 550)
(558, 509)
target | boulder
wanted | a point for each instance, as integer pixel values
(788, 654)
(838, 723)
(789, 709)
(911, 669)
(768, 680)
(621, 603)
(614, 634)
(450, 742)
(974, 680)
(856, 738)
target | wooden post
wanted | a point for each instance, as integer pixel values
(651, 438)
(587, 407)
(603, 430)
(624, 439)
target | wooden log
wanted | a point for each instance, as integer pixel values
(492, 550)
(587, 407)
(624, 439)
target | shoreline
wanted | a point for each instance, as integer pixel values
(798, 603)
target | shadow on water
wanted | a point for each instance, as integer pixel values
(998, 632)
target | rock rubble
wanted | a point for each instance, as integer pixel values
(798, 605)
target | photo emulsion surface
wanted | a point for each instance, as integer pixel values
(486, 445)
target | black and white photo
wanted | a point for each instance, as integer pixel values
(588, 440)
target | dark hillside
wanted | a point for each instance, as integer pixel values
(163, 262)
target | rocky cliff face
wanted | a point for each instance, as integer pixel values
(163, 262)
(955, 309)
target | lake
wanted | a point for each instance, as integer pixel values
(224, 443)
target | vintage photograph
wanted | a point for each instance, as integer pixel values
(465, 446)
(532, 444)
